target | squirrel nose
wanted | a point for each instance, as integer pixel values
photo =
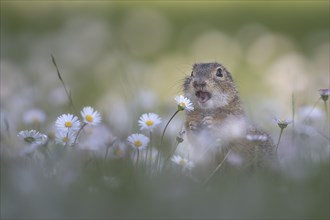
(199, 83)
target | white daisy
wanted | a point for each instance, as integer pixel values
(90, 116)
(34, 116)
(256, 137)
(32, 137)
(324, 94)
(118, 151)
(138, 141)
(184, 103)
(66, 138)
(182, 162)
(149, 121)
(67, 122)
(282, 123)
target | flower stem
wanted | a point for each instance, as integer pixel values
(171, 154)
(107, 150)
(326, 109)
(279, 139)
(82, 127)
(150, 150)
(216, 169)
(106, 153)
(293, 138)
(327, 115)
(137, 158)
(161, 140)
(307, 116)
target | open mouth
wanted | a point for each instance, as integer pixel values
(203, 96)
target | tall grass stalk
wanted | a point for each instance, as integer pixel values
(217, 168)
(279, 139)
(293, 119)
(78, 133)
(64, 86)
(149, 150)
(137, 158)
(172, 152)
(310, 112)
(327, 115)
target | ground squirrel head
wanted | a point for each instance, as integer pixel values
(210, 86)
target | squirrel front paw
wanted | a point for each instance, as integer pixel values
(207, 122)
(193, 126)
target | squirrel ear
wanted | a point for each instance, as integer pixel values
(219, 73)
(229, 75)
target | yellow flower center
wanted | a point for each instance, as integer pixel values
(149, 123)
(51, 135)
(65, 139)
(183, 104)
(182, 162)
(89, 118)
(118, 152)
(35, 120)
(29, 139)
(68, 124)
(137, 143)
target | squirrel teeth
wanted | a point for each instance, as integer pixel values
(203, 96)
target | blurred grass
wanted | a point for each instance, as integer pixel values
(232, 195)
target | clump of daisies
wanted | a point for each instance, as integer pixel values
(66, 129)
(148, 122)
(68, 126)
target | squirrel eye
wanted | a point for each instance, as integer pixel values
(192, 73)
(219, 73)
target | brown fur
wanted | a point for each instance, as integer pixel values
(212, 118)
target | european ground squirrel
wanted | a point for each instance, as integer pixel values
(218, 124)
